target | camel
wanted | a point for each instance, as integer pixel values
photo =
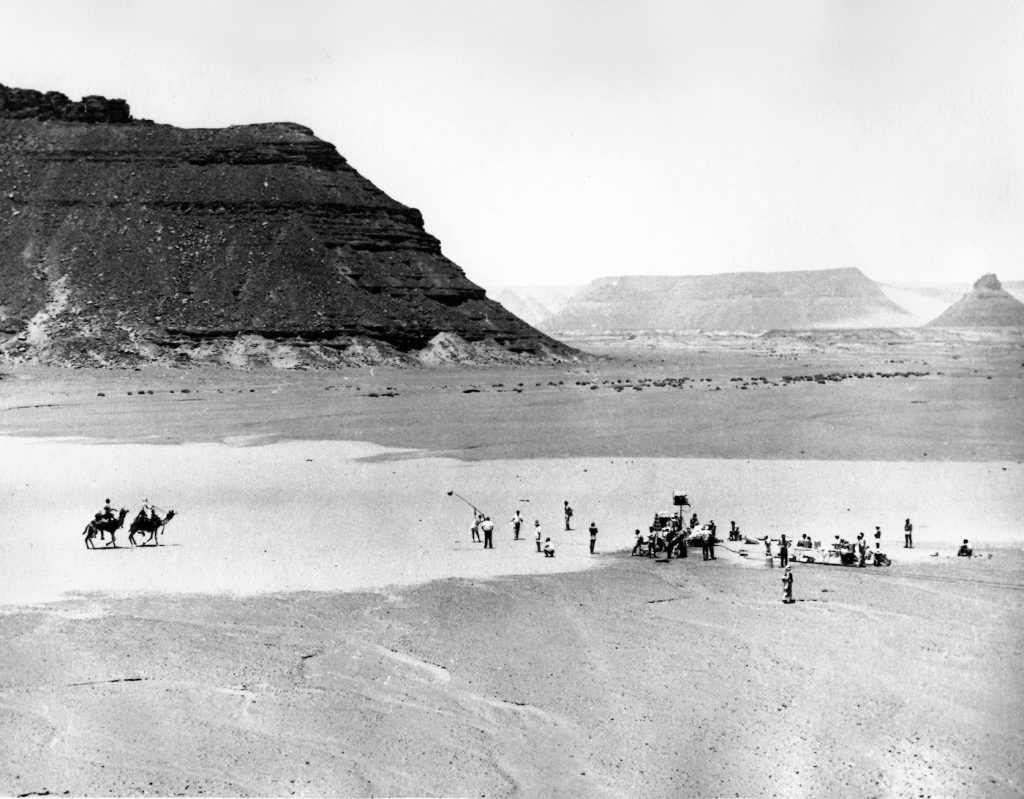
(104, 526)
(144, 523)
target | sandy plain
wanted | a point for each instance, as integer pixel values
(318, 622)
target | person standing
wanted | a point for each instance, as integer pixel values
(536, 528)
(704, 543)
(639, 543)
(474, 531)
(517, 523)
(783, 551)
(488, 527)
(712, 529)
(768, 551)
(593, 537)
(862, 550)
(567, 512)
(787, 585)
(908, 535)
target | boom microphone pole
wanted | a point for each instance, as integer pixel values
(474, 507)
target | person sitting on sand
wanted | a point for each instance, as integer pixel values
(549, 551)
(964, 551)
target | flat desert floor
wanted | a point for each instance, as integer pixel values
(317, 621)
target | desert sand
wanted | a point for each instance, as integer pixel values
(317, 621)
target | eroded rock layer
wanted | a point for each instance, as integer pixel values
(124, 241)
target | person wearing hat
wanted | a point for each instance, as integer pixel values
(106, 515)
(787, 585)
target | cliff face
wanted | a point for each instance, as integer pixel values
(988, 304)
(125, 241)
(738, 301)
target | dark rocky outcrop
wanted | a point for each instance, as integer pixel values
(31, 104)
(123, 242)
(828, 298)
(987, 304)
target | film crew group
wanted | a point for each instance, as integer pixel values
(482, 529)
(107, 522)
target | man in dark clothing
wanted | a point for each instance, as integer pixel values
(783, 551)
(787, 585)
(711, 539)
(908, 535)
(704, 544)
(568, 515)
(488, 527)
(593, 537)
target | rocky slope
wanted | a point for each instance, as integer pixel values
(124, 241)
(988, 304)
(738, 301)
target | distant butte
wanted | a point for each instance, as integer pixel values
(745, 301)
(988, 304)
(125, 242)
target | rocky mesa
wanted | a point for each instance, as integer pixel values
(757, 301)
(123, 241)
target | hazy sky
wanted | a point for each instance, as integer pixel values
(556, 142)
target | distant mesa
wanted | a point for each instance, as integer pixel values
(126, 242)
(741, 301)
(534, 304)
(988, 304)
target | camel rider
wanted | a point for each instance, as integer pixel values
(149, 509)
(108, 509)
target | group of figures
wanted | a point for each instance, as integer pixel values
(483, 524)
(672, 536)
(147, 523)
